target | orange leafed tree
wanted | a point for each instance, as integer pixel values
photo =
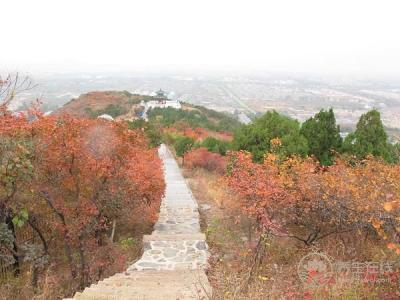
(259, 188)
(74, 179)
(304, 200)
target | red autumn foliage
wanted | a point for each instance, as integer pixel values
(301, 199)
(259, 189)
(202, 158)
(198, 134)
(74, 177)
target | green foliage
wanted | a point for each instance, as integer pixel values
(322, 135)
(215, 145)
(182, 145)
(212, 228)
(169, 137)
(370, 138)
(256, 136)
(152, 133)
(114, 110)
(126, 93)
(226, 122)
(396, 150)
(128, 242)
(15, 164)
(134, 101)
(6, 240)
(21, 218)
(196, 118)
(293, 144)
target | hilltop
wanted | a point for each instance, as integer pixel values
(164, 122)
(124, 105)
(114, 103)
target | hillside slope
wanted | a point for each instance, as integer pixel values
(114, 103)
(124, 105)
(195, 116)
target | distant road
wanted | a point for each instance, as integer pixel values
(236, 98)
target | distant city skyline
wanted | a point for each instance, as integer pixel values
(351, 38)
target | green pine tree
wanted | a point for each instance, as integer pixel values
(323, 136)
(182, 145)
(256, 136)
(370, 138)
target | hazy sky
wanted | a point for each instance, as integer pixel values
(336, 36)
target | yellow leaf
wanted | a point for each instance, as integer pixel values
(388, 206)
(376, 224)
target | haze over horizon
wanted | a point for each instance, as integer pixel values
(337, 38)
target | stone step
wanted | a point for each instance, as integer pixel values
(151, 285)
(173, 253)
(174, 237)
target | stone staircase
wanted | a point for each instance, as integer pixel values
(175, 254)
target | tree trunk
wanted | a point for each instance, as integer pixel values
(250, 231)
(10, 226)
(67, 245)
(68, 253)
(114, 223)
(82, 263)
(35, 276)
(33, 224)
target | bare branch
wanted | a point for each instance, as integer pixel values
(12, 85)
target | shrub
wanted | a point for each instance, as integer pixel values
(202, 158)
(114, 110)
(151, 132)
(182, 145)
(256, 137)
(301, 199)
(197, 117)
(215, 145)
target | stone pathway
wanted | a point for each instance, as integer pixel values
(175, 254)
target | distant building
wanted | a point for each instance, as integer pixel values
(163, 104)
(161, 101)
(160, 94)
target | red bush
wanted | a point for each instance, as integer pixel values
(202, 158)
